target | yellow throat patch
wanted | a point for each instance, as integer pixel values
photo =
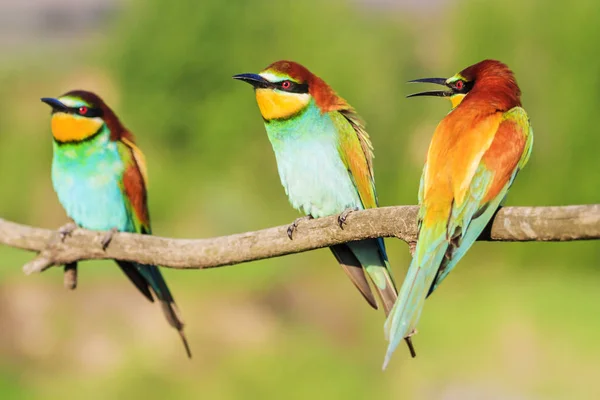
(456, 99)
(276, 105)
(70, 128)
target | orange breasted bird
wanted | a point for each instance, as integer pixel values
(99, 175)
(474, 156)
(325, 162)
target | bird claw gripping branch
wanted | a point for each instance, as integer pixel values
(66, 230)
(294, 225)
(344, 216)
(107, 238)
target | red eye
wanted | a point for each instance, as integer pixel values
(83, 110)
(459, 85)
(286, 84)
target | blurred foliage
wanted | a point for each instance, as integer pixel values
(514, 321)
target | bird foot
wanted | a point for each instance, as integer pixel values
(66, 230)
(106, 239)
(344, 215)
(411, 348)
(294, 225)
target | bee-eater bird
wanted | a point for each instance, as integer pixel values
(99, 175)
(474, 156)
(325, 162)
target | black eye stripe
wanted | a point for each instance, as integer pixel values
(293, 87)
(467, 86)
(91, 112)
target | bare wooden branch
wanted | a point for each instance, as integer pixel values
(510, 224)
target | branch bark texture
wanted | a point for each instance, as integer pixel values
(511, 224)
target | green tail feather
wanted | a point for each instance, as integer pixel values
(405, 314)
(146, 277)
(371, 254)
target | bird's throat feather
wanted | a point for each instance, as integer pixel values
(279, 105)
(456, 100)
(70, 128)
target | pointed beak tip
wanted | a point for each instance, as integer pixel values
(247, 77)
(253, 79)
(54, 103)
(437, 81)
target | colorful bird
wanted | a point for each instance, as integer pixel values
(474, 156)
(325, 162)
(99, 175)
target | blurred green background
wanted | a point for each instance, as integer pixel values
(514, 321)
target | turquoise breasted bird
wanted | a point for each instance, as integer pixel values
(474, 156)
(325, 162)
(99, 175)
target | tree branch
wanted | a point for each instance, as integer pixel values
(510, 224)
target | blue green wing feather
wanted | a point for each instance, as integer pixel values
(448, 243)
(145, 277)
(356, 151)
(468, 222)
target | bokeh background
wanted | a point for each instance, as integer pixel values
(514, 321)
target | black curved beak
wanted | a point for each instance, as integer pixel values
(254, 79)
(437, 81)
(54, 103)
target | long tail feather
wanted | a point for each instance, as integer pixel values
(138, 280)
(355, 272)
(146, 277)
(371, 254)
(405, 314)
(173, 317)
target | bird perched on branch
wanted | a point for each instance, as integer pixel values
(325, 162)
(99, 175)
(474, 156)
